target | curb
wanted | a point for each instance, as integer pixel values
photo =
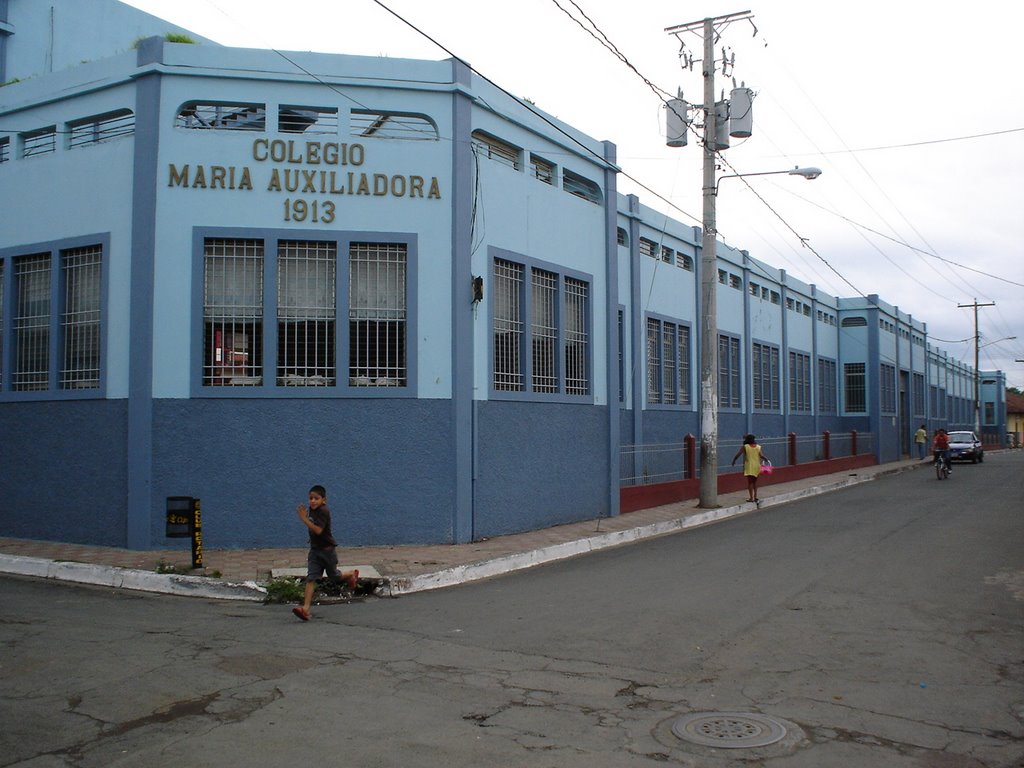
(450, 577)
(128, 578)
(201, 586)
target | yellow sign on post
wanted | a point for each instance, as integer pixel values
(197, 534)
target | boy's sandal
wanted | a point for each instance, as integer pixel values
(301, 612)
(353, 580)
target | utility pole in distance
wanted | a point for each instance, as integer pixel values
(977, 373)
(708, 257)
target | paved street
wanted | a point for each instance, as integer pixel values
(880, 626)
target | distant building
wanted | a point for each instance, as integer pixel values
(230, 274)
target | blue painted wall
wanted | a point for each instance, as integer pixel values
(62, 471)
(558, 474)
(385, 463)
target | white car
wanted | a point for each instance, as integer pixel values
(965, 446)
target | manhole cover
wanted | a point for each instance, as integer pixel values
(728, 730)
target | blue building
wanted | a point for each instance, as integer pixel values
(230, 274)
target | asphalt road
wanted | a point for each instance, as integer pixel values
(879, 627)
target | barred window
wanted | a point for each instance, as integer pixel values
(855, 388)
(307, 120)
(765, 368)
(581, 186)
(233, 312)
(667, 254)
(826, 386)
(887, 374)
(647, 247)
(508, 326)
(93, 130)
(222, 116)
(375, 124)
(306, 313)
(544, 331)
(31, 323)
(39, 142)
(550, 354)
(493, 148)
(918, 385)
(80, 319)
(5, 149)
(621, 236)
(799, 382)
(377, 315)
(728, 372)
(684, 262)
(542, 169)
(653, 361)
(577, 341)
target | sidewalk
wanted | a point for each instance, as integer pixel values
(401, 569)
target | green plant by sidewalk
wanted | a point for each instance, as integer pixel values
(285, 589)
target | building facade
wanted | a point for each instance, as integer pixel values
(231, 274)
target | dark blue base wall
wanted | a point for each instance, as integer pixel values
(62, 471)
(540, 464)
(386, 465)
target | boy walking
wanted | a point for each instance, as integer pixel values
(322, 556)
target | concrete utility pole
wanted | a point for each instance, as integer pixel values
(709, 266)
(977, 373)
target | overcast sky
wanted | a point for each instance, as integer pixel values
(912, 109)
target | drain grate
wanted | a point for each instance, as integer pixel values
(729, 730)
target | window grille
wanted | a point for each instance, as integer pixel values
(544, 331)
(799, 382)
(775, 298)
(508, 326)
(577, 342)
(668, 356)
(39, 142)
(854, 322)
(307, 120)
(5, 149)
(728, 371)
(233, 312)
(684, 262)
(31, 326)
(735, 281)
(542, 169)
(887, 374)
(765, 365)
(722, 276)
(755, 290)
(653, 361)
(855, 391)
(647, 247)
(582, 187)
(826, 386)
(496, 149)
(93, 130)
(374, 124)
(622, 237)
(667, 254)
(684, 364)
(918, 385)
(377, 315)
(80, 319)
(233, 116)
(305, 313)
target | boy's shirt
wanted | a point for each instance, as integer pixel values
(321, 518)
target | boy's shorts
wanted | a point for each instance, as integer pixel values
(321, 560)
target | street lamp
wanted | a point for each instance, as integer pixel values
(808, 173)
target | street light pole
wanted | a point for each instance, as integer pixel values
(977, 374)
(709, 289)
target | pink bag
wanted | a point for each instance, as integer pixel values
(766, 467)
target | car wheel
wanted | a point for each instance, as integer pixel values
(974, 459)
